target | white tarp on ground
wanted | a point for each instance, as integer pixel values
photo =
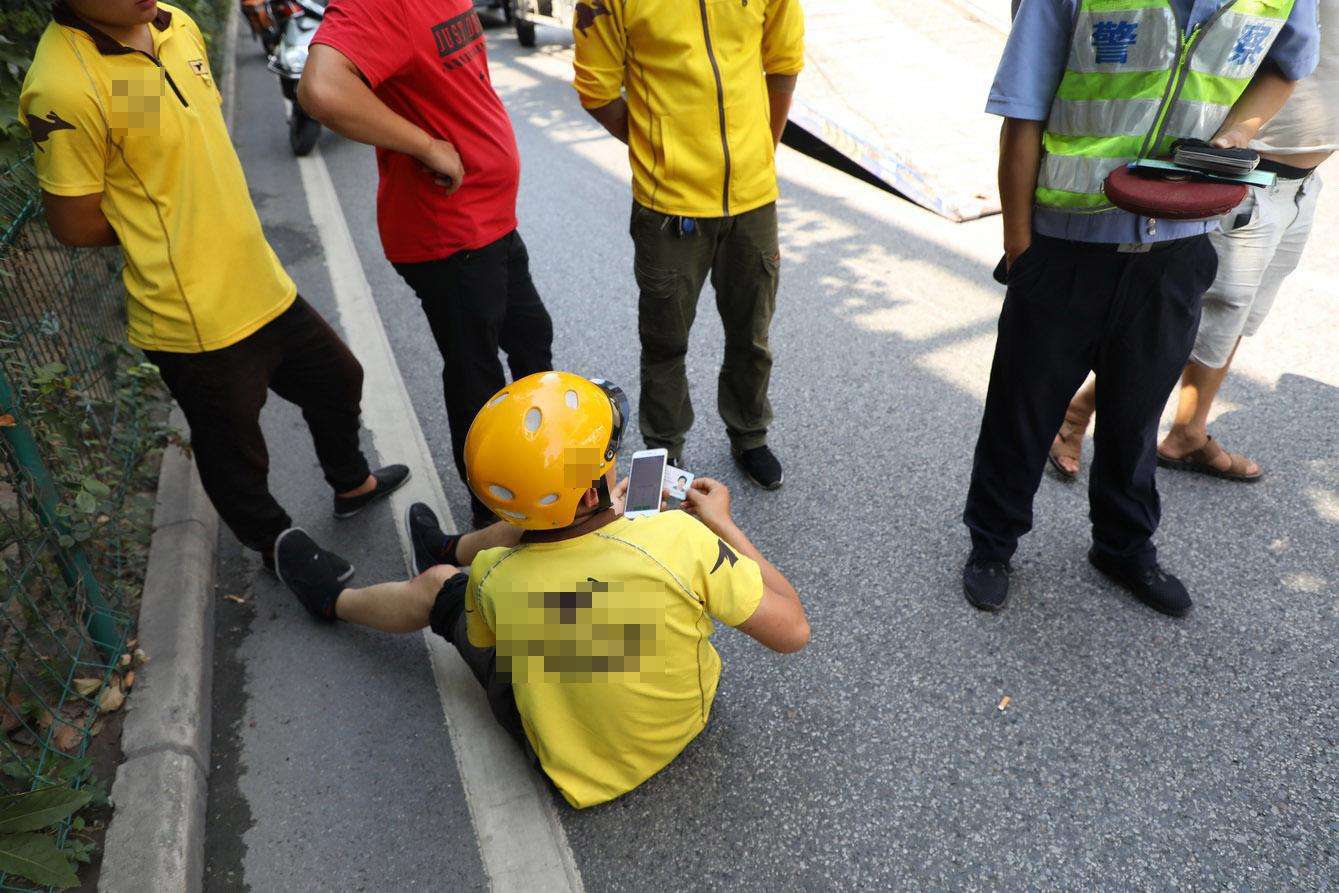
(898, 86)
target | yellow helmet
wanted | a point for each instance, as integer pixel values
(540, 443)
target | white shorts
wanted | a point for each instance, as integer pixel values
(1260, 242)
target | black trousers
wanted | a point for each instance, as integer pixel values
(1072, 307)
(299, 357)
(448, 621)
(477, 302)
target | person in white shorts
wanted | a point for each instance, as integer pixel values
(1259, 243)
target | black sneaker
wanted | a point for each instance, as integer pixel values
(389, 479)
(345, 569)
(1150, 584)
(986, 584)
(761, 466)
(431, 546)
(310, 572)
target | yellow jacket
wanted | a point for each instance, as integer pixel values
(693, 71)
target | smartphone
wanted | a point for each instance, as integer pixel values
(645, 482)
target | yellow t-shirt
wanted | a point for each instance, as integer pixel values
(149, 135)
(606, 639)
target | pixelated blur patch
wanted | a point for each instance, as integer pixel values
(581, 465)
(137, 101)
(590, 632)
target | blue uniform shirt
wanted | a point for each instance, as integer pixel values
(1030, 71)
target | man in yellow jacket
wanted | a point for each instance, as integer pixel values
(700, 92)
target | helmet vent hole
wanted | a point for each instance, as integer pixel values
(533, 419)
(498, 399)
(548, 500)
(572, 400)
(515, 516)
(500, 492)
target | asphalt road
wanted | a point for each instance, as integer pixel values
(1135, 751)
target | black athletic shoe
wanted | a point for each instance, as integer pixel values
(389, 479)
(310, 572)
(345, 569)
(1151, 585)
(761, 466)
(431, 546)
(986, 584)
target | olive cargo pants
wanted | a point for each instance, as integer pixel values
(672, 259)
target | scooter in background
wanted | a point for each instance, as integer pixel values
(298, 21)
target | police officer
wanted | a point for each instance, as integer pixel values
(1086, 86)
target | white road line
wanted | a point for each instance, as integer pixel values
(520, 838)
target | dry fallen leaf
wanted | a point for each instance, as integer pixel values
(1004, 702)
(7, 421)
(235, 598)
(87, 685)
(112, 698)
(66, 738)
(129, 680)
(125, 660)
(130, 646)
(11, 719)
(44, 720)
(140, 657)
(96, 730)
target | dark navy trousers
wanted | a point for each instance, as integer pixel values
(1072, 307)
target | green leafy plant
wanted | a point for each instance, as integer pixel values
(25, 849)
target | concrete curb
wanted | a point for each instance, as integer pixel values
(156, 840)
(157, 834)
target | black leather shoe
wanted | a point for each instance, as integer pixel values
(431, 546)
(389, 479)
(761, 466)
(986, 584)
(1150, 584)
(310, 572)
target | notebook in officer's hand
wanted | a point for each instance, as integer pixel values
(1202, 156)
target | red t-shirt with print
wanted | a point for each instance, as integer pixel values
(426, 60)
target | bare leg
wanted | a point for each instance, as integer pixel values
(1067, 449)
(499, 535)
(366, 486)
(399, 607)
(1190, 429)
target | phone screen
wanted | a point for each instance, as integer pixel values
(645, 483)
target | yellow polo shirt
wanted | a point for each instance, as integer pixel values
(148, 134)
(606, 638)
(694, 76)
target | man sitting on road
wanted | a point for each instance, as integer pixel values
(132, 151)
(588, 630)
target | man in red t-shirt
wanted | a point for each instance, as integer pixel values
(411, 78)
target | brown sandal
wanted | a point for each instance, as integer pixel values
(1200, 461)
(1077, 426)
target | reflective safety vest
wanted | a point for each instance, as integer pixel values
(1135, 83)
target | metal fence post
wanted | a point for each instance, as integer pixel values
(74, 565)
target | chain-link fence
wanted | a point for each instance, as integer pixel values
(80, 419)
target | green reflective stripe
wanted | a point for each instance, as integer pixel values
(1092, 146)
(1201, 87)
(1265, 9)
(1122, 5)
(1102, 85)
(1059, 198)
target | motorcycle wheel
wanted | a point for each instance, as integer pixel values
(303, 131)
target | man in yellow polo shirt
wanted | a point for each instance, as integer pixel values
(700, 92)
(589, 631)
(131, 150)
